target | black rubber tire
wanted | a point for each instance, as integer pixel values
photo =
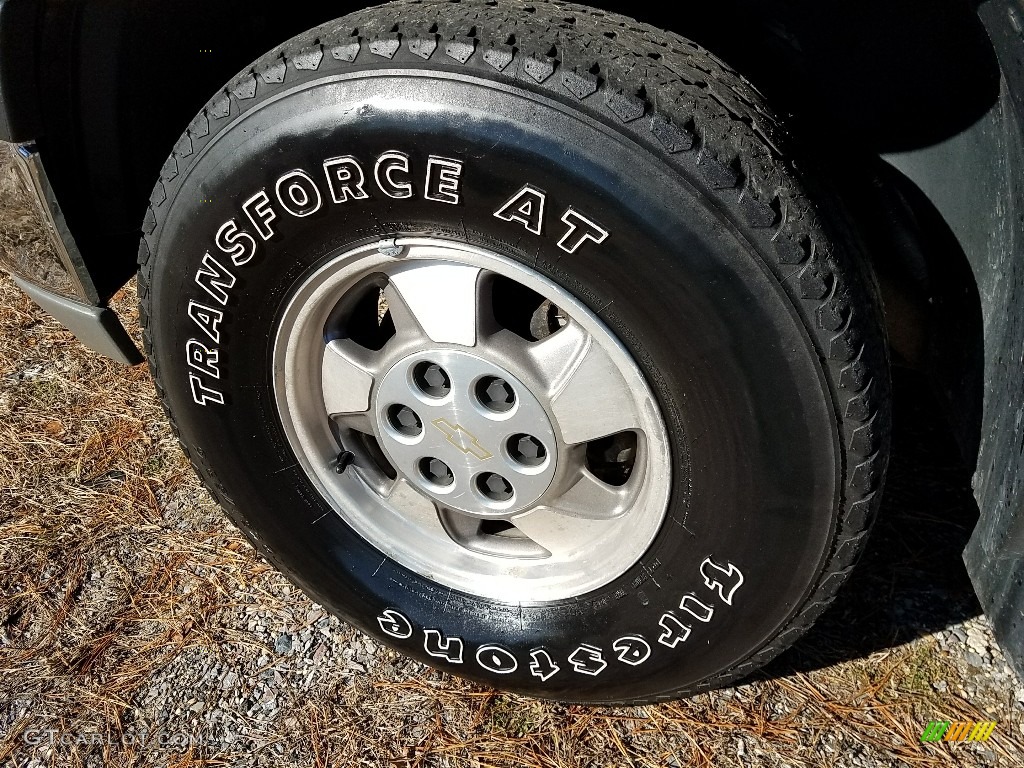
(731, 274)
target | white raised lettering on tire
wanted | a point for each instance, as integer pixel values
(202, 358)
(724, 580)
(696, 608)
(443, 179)
(588, 660)
(580, 230)
(235, 242)
(214, 278)
(527, 207)
(542, 665)
(387, 165)
(632, 649)
(260, 213)
(203, 394)
(441, 647)
(298, 194)
(345, 178)
(207, 318)
(496, 659)
(674, 632)
(395, 624)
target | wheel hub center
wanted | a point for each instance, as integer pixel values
(466, 432)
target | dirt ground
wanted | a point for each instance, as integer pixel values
(137, 627)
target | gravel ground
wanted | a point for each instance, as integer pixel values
(137, 627)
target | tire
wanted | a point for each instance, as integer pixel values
(581, 171)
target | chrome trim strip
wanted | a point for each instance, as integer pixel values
(30, 209)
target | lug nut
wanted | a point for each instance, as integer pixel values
(436, 471)
(527, 450)
(494, 487)
(432, 379)
(495, 394)
(404, 420)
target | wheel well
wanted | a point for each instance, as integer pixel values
(119, 83)
(933, 308)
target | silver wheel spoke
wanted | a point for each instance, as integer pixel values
(592, 399)
(440, 299)
(566, 537)
(346, 382)
(555, 357)
(414, 507)
(465, 531)
(592, 499)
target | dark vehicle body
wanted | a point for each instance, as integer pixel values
(919, 105)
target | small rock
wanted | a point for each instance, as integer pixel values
(284, 643)
(974, 659)
(318, 655)
(977, 641)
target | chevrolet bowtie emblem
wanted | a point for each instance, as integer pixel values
(462, 439)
